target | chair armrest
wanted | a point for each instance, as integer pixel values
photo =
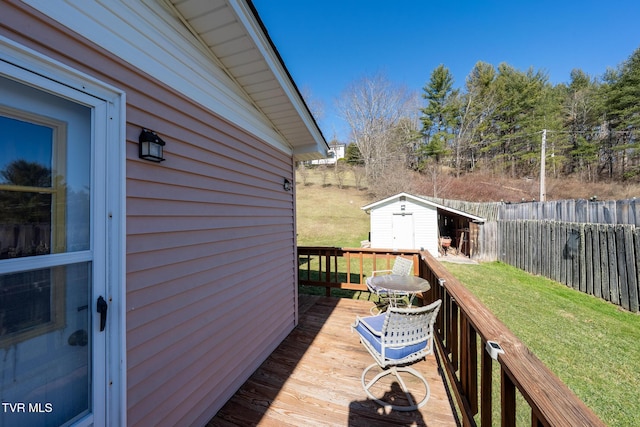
(376, 319)
(373, 273)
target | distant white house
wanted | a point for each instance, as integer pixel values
(336, 151)
(405, 221)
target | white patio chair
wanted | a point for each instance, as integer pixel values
(402, 267)
(395, 339)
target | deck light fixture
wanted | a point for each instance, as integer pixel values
(151, 146)
(286, 185)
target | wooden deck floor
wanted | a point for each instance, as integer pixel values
(313, 378)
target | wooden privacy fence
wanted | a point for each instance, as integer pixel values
(583, 211)
(597, 259)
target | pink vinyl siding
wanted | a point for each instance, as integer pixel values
(210, 251)
(210, 258)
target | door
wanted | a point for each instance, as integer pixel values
(53, 254)
(403, 233)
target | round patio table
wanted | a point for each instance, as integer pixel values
(395, 283)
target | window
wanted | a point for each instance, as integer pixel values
(32, 185)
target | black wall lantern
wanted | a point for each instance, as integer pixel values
(286, 185)
(151, 146)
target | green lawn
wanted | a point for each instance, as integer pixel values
(591, 345)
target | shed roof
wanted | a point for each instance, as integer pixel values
(422, 200)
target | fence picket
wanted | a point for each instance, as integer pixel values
(563, 259)
(635, 303)
(595, 261)
(588, 258)
(614, 293)
(582, 260)
(604, 261)
(623, 282)
(632, 274)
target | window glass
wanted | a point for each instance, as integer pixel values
(44, 180)
(45, 336)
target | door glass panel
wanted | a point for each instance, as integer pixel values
(46, 372)
(45, 325)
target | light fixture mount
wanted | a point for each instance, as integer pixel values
(287, 185)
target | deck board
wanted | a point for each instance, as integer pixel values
(313, 378)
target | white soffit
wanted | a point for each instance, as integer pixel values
(231, 30)
(213, 51)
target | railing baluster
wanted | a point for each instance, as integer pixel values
(328, 272)
(473, 368)
(507, 400)
(464, 356)
(452, 339)
(486, 390)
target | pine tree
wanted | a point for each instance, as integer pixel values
(439, 116)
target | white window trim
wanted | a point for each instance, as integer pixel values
(24, 64)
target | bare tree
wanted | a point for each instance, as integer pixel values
(373, 107)
(303, 172)
(358, 175)
(324, 173)
(434, 181)
(340, 171)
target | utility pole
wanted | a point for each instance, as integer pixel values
(543, 166)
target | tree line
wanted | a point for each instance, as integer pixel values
(495, 122)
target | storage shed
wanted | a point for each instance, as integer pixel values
(406, 221)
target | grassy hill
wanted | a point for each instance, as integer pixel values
(476, 187)
(328, 215)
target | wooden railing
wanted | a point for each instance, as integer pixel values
(345, 268)
(464, 326)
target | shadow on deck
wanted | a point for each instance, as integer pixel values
(313, 378)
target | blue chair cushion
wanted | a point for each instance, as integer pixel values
(366, 328)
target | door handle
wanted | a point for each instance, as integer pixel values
(102, 309)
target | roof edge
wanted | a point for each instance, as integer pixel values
(424, 201)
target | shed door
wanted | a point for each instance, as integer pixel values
(52, 258)
(403, 233)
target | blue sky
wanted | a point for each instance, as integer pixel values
(328, 44)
